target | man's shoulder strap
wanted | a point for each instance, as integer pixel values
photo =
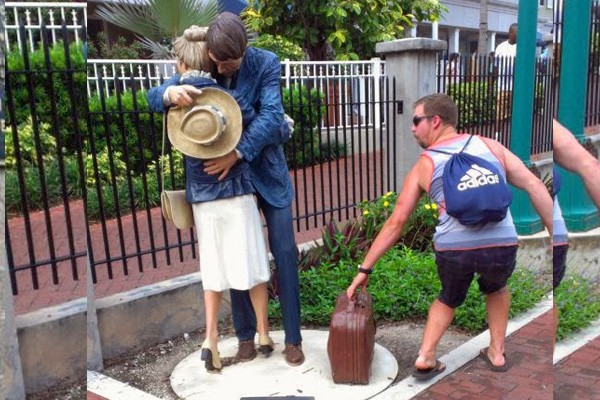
(458, 152)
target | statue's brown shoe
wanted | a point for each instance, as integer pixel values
(246, 350)
(293, 354)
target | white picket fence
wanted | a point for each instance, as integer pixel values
(33, 15)
(352, 89)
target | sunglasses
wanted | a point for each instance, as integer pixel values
(417, 120)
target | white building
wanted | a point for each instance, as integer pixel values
(459, 27)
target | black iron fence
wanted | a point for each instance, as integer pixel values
(482, 87)
(46, 104)
(332, 170)
(83, 176)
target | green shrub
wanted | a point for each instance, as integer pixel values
(120, 49)
(43, 83)
(476, 102)
(103, 167)
(126, 127)
(27, 146)
(283, 47)
(403, 286)
(417, 234)
(34, 192)
(306, 107)
(123, 198)
(350, 241)
(147, 179)
(578, 302)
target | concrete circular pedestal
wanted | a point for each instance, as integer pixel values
(272, 376)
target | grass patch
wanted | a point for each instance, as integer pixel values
(403, 286)
(578, 301)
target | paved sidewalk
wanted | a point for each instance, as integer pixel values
(578, 376)
(531, 375)
(529, 352)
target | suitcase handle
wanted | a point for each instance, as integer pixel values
(357, 301)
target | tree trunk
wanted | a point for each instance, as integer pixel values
(483, 28)
(317, 52)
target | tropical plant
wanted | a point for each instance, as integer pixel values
(350, 27)
(283, 47)
(158, 22)
(418, 231)
(28, 138)
(121, 49)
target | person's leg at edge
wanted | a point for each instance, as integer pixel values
(283, 247)
(260, 299)
(438, 320)
(497, 305)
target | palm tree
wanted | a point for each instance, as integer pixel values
(158, 22)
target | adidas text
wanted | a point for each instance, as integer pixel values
(476, 177)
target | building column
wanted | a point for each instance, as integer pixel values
(435, 26)
(94, 350)
(412, 64)
(453, 40)
(491, 43)
(11, 374)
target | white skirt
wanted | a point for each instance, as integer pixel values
(232, 249)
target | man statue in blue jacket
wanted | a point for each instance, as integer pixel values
(254, 75)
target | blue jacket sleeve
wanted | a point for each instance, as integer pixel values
(155, 95)
(266, 128)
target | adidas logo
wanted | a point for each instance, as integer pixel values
(477, 176)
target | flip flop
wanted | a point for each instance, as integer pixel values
(425, 374)
(501, 368)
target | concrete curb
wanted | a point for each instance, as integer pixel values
(112, 389)
(570, 345)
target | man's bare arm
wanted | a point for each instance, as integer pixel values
(572, 156)
(521, 177)
(414, 186)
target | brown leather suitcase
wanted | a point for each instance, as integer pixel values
(351, 342)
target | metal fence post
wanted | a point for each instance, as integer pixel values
(526, 220)
(578, 210)
(286, 64)
(376, 71)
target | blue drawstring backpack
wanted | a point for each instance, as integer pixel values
(474, 190)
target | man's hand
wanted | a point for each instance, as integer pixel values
(183, 95)
(359, 280)
(221, 165)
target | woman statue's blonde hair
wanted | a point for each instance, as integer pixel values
(192, 50)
